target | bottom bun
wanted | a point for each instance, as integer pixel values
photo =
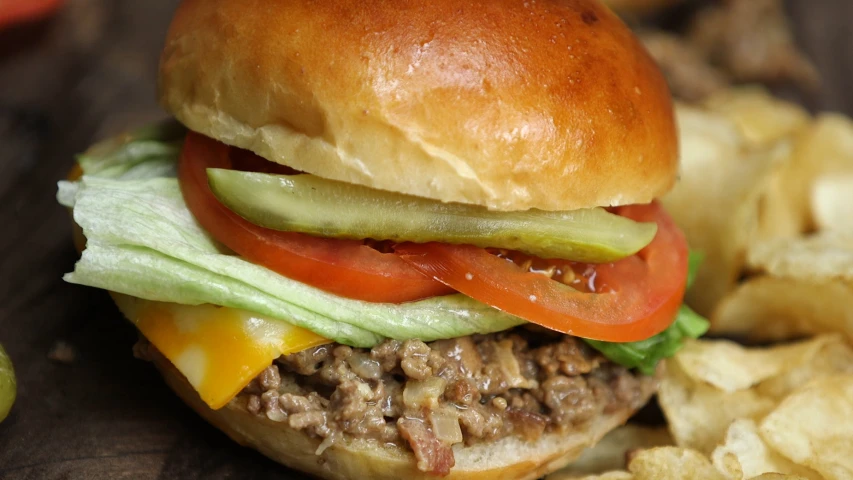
(508, 458)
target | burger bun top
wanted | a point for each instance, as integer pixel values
(509, 104)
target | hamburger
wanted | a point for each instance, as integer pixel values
(397, 238)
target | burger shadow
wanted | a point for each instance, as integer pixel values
(192, 448)
(93, 409)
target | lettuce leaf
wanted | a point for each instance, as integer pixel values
(149, 152)
(143, 241)
(645, 355)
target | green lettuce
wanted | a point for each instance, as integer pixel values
(143, 241)
(645, 354)
(149, 152)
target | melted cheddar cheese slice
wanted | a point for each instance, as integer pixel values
(218, 349)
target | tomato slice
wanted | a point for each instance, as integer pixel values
(348, 268)
(14, 11)
(630, 300)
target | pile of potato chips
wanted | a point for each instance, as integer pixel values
(766, 193)
(735, 413)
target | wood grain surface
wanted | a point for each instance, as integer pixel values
(88, 73)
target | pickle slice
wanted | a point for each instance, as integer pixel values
(7, 384)
(327, 208)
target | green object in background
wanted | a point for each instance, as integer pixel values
(8, 386)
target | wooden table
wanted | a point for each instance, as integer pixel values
(88, 73)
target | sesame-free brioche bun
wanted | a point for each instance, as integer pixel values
(552, 104)
(508, 459)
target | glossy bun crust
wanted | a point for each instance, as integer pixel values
(549, 104)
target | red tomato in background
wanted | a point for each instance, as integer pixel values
(17, 11)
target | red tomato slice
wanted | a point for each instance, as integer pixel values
(347, 268)
(13, 11)
(635, 298)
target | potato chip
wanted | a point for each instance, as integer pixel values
(672, 463)
(731, 367)
(777, 476)
(745, 455)
(710, 148)
(755, 169)
(835, 357)
(615, 475)
(770, 308)
(832, 203)
(773, 218)
(825, 148)
(761, 118)
(716, 201)
(832, 199)
(748, 409)
(814, 427)
(817, 258)
(610, 452)
(699, 414)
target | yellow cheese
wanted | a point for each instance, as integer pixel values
(218, 349)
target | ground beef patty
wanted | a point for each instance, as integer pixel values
(521, 382)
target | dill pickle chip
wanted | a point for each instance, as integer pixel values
(327, 208)
(8, 386)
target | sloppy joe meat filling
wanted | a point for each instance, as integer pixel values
(522, 382)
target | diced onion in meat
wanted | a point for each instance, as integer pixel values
(445, 425)
(510, 367)
(364, 366)
(423, 393)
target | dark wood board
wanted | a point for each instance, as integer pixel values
(85, 74)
